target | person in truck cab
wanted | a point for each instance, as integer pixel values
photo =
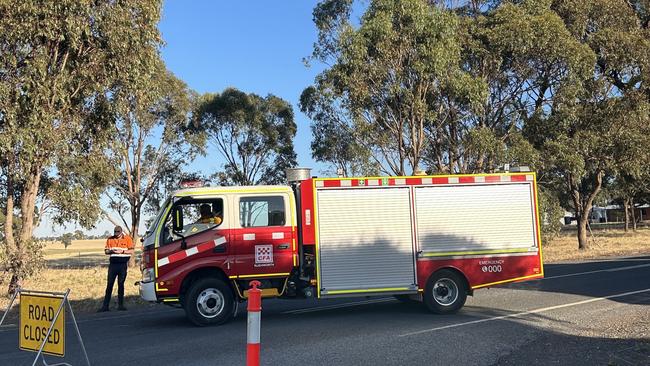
(119, 247)
(207, 217)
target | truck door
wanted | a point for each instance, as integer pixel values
(263, 240)
(204, 232)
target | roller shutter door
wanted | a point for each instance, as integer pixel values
(466, 218)
(365, 239)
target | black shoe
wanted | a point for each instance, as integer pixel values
(121, 308)
(102, 309)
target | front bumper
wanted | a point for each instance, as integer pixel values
(148, 291)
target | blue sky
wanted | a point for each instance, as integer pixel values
(256, 46)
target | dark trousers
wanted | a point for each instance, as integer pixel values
(115, 270)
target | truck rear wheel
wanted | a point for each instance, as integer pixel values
(209, 301)
(445, 292)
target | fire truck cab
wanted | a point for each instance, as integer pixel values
(429, 238)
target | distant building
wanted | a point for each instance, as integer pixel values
(609, 213)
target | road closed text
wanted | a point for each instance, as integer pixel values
(36, 315)
(36, 333)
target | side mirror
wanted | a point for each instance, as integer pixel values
(177, 219)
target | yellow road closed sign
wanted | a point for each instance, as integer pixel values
(36, 315)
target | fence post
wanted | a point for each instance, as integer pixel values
(254, 318)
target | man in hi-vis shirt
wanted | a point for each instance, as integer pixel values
(120, 248)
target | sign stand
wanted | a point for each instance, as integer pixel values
(65, 300)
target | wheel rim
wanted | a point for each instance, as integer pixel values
(210, 302)
(445, 292)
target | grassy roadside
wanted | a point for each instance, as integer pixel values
(86, 286)
(603, 243)
(82, 267)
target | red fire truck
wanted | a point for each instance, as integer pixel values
(429, 238)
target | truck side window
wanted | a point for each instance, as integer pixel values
(262, 211)
(198, 216)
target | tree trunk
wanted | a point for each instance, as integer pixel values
(583, 206)
(9, 216)
(14, 284)
(626, 206)
(582, 232)
(135, 224)
(27, 207)
(633, 214)
(10, 242)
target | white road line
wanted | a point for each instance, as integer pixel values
(630, 267)
(595, 271)
(536, 311)
(337, 306)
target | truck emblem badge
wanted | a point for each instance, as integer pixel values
(263, 255)
(362, 182)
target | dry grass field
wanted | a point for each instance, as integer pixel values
(80, 254)
(82, 266)
(602, 243)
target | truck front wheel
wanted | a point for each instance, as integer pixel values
(445, 292)
(209, 301)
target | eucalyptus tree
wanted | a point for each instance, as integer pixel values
(334, 141)
(386, 77)
(59, 62)
(151, 141)
(524, 54)
(253, 134)
(600, 127)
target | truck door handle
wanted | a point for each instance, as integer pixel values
(219, 248)
(283, 246)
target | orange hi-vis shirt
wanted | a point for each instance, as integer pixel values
(117, 243)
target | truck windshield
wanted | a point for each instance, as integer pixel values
(154, 223)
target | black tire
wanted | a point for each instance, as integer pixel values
(209, 301)
(445, 292)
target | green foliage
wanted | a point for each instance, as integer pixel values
(333, 140)
(414, 83)
(61, 65)
(388, 81)
(598, 128)
(523, 53)
(23, 264)
(253, 134)
(551, 214)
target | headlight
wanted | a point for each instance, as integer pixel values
(148, 275)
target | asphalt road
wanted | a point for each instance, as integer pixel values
(590, 313)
